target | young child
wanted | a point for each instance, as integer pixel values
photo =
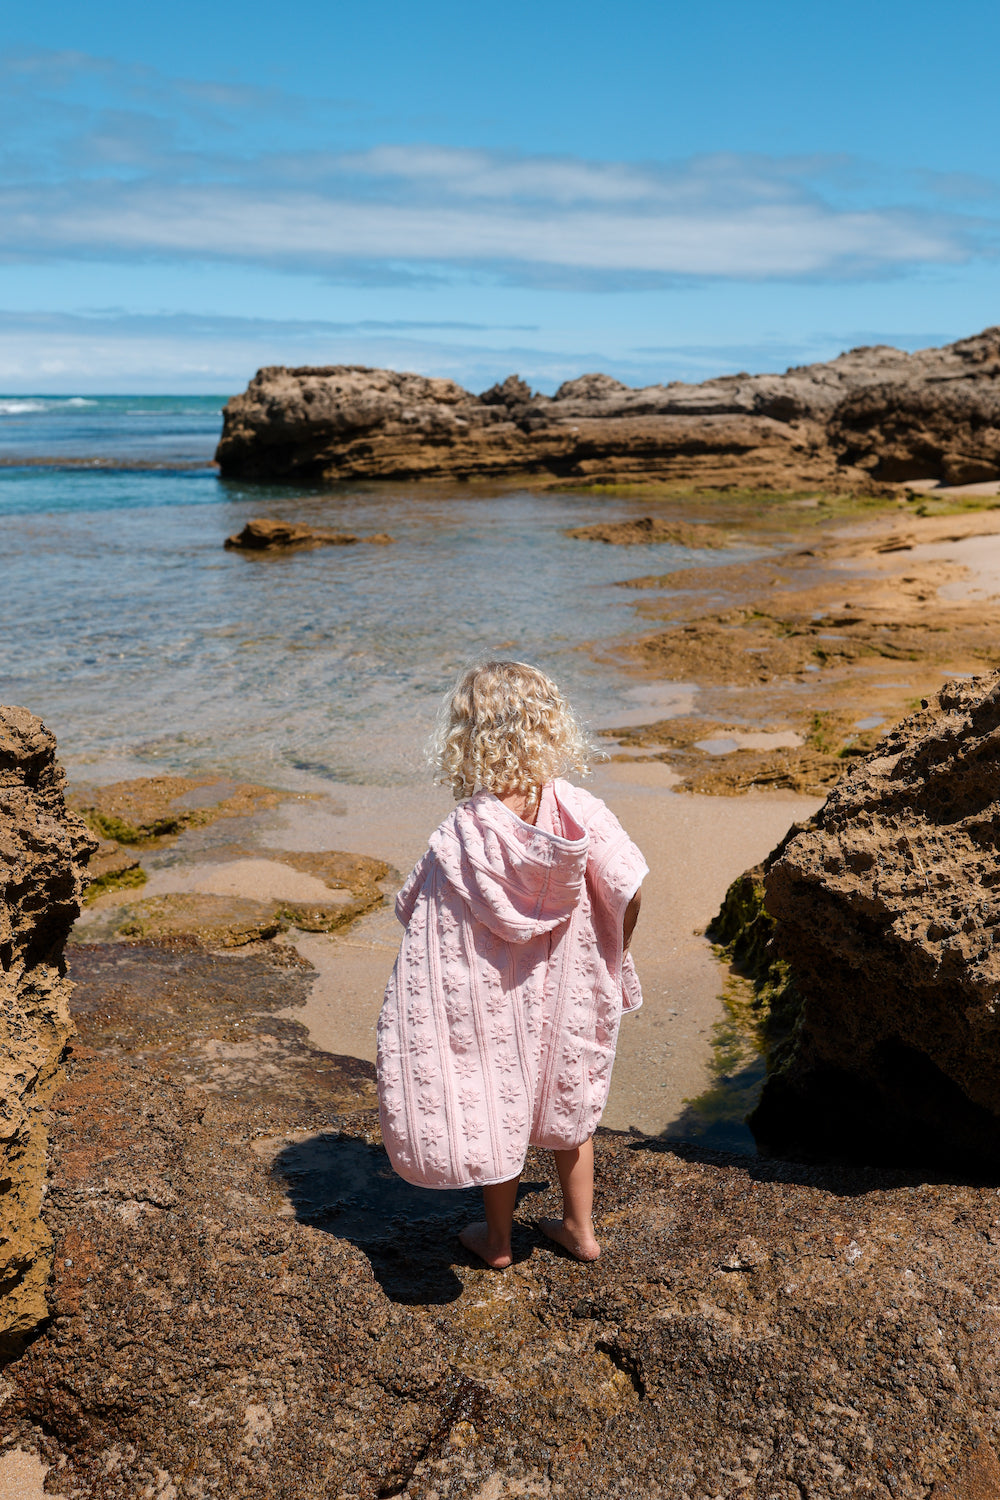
(499, 1022)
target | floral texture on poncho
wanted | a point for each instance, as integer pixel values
(500, 1019)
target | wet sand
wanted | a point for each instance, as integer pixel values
(694, 845)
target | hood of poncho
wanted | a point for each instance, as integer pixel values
(519, 881)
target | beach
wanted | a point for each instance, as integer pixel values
(245, 735)
(695, 847)
(749, 674)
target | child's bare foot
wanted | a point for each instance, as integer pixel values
(476, 1237)
(580, 1243)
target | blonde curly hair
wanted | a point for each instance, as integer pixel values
(505, 727)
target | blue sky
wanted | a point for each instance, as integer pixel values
(657, 190)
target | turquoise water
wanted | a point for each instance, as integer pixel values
(148, 430)
(146, 646)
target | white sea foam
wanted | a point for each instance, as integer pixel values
(15, 406)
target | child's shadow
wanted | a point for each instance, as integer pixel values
(409, 1234)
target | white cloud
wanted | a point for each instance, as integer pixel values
(323, 232)
(129, 167)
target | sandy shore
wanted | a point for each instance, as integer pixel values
(694, 846)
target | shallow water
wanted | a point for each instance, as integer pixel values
(146, 646)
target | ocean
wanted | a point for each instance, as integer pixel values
(146, 647)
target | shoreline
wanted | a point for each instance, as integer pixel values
(883, 611)
(707, 791)
(664, 1053)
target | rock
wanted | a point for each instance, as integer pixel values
(239, 916)
(937, 418)
(112, 867)
(247, 1302)
(154, 810)
(217, 921)
(43, 850)
(870, 417)
(267, 536)
(886, 910)
(513, 393)
(109, 860)
(650, 529)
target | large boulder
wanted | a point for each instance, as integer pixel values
(884, 955)
(871, 415)
(42, 851)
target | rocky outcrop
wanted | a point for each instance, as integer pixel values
(650, 529)
(870, 416)
(886, 938)
(248, 1302)
(280, 536)
(42, 851)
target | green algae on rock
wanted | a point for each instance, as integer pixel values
(235, 917)
(152, 809)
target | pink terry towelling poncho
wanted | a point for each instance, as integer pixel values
(500, 1019)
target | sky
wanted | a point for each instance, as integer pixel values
(657, 190)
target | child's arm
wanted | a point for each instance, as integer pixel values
(407, 898)
(630, 918)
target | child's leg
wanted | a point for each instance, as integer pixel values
(491, 1240)
(575, 1230)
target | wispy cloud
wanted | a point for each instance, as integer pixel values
(105, 162)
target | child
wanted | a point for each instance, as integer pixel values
(500, 1018)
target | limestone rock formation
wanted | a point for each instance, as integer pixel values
(650, 529)
(277, 536)
(872, 415)
(886, 912)
(42, 851)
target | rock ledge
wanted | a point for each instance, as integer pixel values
(869, 417)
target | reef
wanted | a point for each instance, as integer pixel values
(43, 850)
(265, 535)
(650, 530)
(803, 656)
(871, 417)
